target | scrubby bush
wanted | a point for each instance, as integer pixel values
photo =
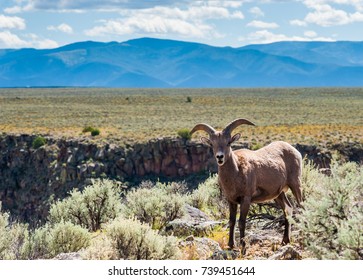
(184, 133)
(94, 131)
(311, 177)
(209, 198)
(67, 237)
(331, 221)
(38, 142)
(12, 238)
(97, 204)
(87, 129)
(134, 240)
(38, 244)
(156, 206)
(48, 241)
(101, 248)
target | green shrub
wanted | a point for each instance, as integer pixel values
(209, 198)
(87, 129)
(67, 237)
(184, 133)
(38, 142)
(13, 236)
(310, 178)
(100, 248)
(38, 244)
(97, 204)
(50, 240)
(95, 132)
(134, 240)
(331, 221)
(156, 206)
(189, 99)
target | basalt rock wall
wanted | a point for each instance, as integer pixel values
(30, 179)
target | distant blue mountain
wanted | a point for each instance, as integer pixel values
(150, 62)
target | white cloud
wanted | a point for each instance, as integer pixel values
(63, 27)
(262, 24)
(298, 22)
(12, 22)
(21, 6)
(257, 12)
(45, 44)
(325, 15)
(84, 5)
(310, 34)
(155, 25)
(189, 22)
(265, 37)
(195, 13)
(10, 40)
(224, 3)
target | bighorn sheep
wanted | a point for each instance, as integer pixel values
(247, 176)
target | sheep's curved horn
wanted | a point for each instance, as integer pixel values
(205, 127)
(233, 124)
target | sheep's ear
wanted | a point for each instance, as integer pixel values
(206, 141)
(235, 138)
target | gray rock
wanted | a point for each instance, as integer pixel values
(225, 255)
(68, 256)
(199, 248)
(286, 253)
(195, 222)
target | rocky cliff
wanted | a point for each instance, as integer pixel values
(30, 179)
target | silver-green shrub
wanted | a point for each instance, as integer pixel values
(311, 177)
(209, 198)
(38, 244)
(67, 237)
(331, 221)
(50, 240)
(100, 248)
(97, 204)
(155, 205)
(134, 240)
(13, 236)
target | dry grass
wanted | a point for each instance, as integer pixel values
(295, 115)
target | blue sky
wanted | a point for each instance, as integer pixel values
(52, 23)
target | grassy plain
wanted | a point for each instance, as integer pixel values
(296, 115)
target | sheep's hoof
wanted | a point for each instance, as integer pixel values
(243, 250)
(243, 247)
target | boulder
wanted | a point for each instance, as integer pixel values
(68, 256)
(198, 248)
(286, 253)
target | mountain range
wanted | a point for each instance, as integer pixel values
(148, 62)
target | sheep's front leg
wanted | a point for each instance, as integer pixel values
(245, 206)
(232, 223)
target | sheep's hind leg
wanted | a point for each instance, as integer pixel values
(286, 206)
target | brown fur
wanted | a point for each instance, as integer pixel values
(247, 176)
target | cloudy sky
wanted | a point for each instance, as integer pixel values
(52, 23)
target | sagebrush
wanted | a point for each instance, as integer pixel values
(156, 205)
(98, 203)
(331, 221)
